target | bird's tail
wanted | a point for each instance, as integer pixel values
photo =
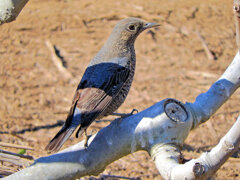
(68, 128)
(56, 143)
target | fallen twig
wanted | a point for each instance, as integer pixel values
(14, 160)
(5, 172)
(15, 146)
(211, 55)
(58, 61)
(108, 176)
(16, 154)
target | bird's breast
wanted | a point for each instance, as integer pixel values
(121, 96)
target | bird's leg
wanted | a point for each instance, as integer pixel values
(124, 115)
(86, 139)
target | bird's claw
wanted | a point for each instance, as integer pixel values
(134, 110)
(123, 115)
(85, 144)
(131, 113)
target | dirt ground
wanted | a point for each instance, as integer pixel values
(171, 63)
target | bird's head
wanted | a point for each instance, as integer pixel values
(128, 29)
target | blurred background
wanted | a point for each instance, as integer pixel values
(180, 59)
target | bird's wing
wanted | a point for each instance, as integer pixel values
(96, 90)
(92, 97)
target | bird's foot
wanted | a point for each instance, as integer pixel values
(134, 110)
(86, 139)
(86, 144)
(124, 115)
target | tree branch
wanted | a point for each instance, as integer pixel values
(120, 138)
(10, 9)
(208, 103)
(160, 130)
(167, 158)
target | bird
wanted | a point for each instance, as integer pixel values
(106, 81)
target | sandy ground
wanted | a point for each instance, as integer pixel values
(171, 63)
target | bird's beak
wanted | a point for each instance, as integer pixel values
(150, 25)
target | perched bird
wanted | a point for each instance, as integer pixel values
(106, 81)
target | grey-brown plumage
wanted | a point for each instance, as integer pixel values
(106, 81)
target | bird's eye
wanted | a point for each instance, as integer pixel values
(131, 27)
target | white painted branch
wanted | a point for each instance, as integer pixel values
(167, 158)
(208, 103)
(137, 132)
(9, 9)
